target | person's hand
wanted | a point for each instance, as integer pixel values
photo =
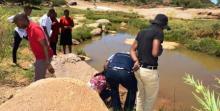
(136, 66)
(51, 69)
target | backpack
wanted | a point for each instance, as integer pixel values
(121, 60)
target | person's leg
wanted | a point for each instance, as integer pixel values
(17, 41)
(112, 79)
(150, 80)
(64, 49)
(40, 69)
(53, 47)
(128, 80)
(70, 48)
(140, 93)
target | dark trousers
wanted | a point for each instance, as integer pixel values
(127, 80)
(53, 46)
(17, 41)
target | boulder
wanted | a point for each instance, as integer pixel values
(72, 3)
(103, 21)
(94, 25)
(123, 24)
(60, 94)
(96, 32)
(75, 42)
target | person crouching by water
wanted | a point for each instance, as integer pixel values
(67, 24)
(145, 52)
(39, 44)
(118, 70)
(55, 33)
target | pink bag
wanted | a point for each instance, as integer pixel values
(98, 82)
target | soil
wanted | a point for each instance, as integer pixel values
(149, 13)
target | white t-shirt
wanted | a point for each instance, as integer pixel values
(45, 21)
(21, 32)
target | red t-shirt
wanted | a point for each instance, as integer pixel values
(66, 22)
(55, 31)
(35, 35)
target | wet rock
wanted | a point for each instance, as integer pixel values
(112, 32)
(123, 28)
(84, 58)
(123, 24)
(96, 32)
(75, 42)
(103, 21)
(60, 94)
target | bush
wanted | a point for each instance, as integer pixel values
(206, 45)
(35, 2)
(58, 2)
(82, 33)
(192, 3)
(207, 99)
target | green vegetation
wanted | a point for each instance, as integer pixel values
(207, 99)
(192, 3)
(82, 33)
(58, 2)
(198, 35)
(80, 51)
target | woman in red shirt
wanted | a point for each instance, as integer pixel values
(66, 31)
(55, 33)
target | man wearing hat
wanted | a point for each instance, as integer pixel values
(145, 52)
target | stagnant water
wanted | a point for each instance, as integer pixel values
(172, 66)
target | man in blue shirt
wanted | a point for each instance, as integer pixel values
(119, 71)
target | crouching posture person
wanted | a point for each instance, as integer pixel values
(39, 45)
(118, 70)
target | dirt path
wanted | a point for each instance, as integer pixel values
(149, 13)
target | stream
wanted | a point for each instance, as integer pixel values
(173, 65)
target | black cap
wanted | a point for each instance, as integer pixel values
(161, 20)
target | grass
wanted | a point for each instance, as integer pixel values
(82, 33)
(80, 51)
(207, 99)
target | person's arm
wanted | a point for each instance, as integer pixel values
(45, 46)
(156, 48)
(134, 56)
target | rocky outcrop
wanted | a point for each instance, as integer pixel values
(103, 21)
(60, 94)
(70, 65)
(96, 32)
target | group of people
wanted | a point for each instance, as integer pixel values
(137, 70)
(42, 37)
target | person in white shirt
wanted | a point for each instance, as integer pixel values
(46, 22)
(19, 33)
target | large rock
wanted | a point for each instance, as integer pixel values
(103, 21)
(96, 32)
(63, 94)
(94, 25)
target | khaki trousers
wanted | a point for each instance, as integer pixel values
(148, 87)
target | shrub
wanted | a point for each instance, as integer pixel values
(206, 45)
(36, 2)
(82, 33)
(58, 2)
(207, 99)
(80, 51)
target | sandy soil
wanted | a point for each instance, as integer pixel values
(149, 13)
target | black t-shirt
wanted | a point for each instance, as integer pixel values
(145, 42)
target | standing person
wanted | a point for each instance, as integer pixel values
(55, 33)
(19, 34)
(67, 24)
(38, 42)
(46, 22)
(118, 70)
(145, 52)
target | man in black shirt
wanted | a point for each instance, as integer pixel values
(145, 52)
